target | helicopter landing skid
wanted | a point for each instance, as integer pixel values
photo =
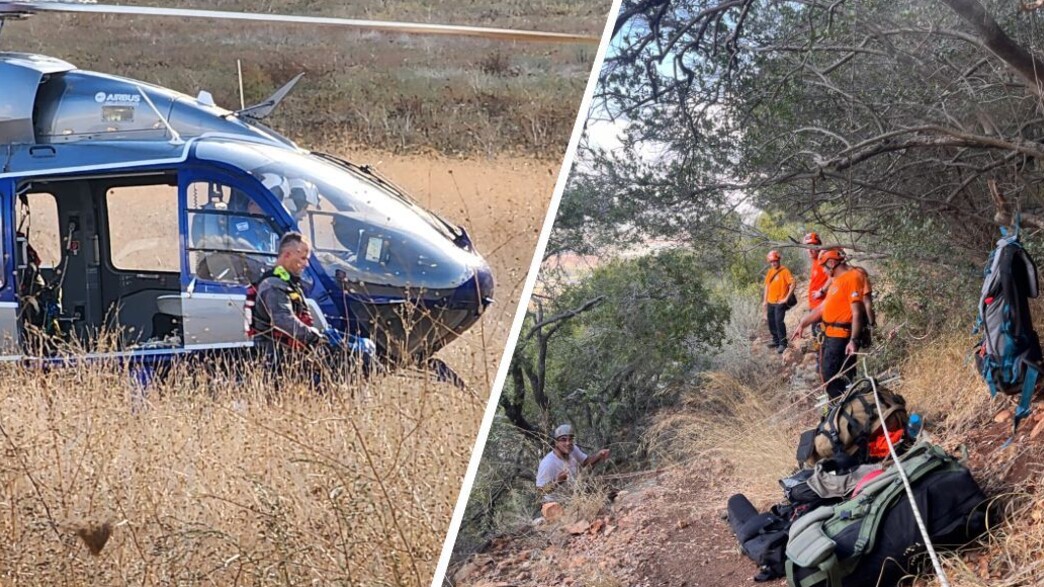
(444, 372)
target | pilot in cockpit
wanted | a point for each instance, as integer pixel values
(249, 228)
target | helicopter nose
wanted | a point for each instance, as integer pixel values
(484, 280)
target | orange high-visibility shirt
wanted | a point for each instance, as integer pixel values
(816, 282)
(777, 282)
(837, 307)
(869, 289)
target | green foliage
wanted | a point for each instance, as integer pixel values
(615, 346)
(931, 287)
(658, 316)
(819, 116)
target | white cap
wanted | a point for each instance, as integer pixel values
(564, 430)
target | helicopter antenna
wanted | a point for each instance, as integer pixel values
(260, 111)
(175, 138)
(239, 69)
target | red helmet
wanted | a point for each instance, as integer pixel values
(811, 239)
(831, 255)
(773, 256)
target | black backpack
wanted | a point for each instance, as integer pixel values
(1009, 356)
(762, 536)
(870, 540)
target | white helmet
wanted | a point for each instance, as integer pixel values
(276, 184)
(302, 194)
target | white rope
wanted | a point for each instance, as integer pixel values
(909, 491)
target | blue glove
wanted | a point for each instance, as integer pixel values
(357, 344)
(363, 346)
(333, 337)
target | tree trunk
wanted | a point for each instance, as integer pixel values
(1028, 67)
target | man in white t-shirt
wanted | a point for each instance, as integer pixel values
(559, 468)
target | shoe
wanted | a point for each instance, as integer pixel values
(765, 573)
(781, 349)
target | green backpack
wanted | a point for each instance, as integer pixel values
(870, 539)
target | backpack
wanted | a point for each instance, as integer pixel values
(1009, 356)
(762, 536)
(852, 420)
(870, 539)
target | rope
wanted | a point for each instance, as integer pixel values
(909, 490)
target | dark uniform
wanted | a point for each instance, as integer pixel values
(281, 324)
(279, 317)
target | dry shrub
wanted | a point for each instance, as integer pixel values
(598, 577)
(940, 382)
(587, 502)
(744, 430)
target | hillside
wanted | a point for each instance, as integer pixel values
(666, 527)
(398, 93)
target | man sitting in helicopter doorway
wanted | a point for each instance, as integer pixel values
(282, 324)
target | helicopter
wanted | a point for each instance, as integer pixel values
(213, 191)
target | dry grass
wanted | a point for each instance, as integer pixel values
(940, 381)
(587, 501)
(220, 484)
(749, 430)
(210, 482)
(206, 485)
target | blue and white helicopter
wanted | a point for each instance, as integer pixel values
(169, 206)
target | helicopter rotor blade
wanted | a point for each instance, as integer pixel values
(22, 8)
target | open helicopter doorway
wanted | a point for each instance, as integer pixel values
(96, 257)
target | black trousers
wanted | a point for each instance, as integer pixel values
(776, 314)
(833, 361)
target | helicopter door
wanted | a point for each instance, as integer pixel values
(230, 242)
(9, 339)
(136, 262)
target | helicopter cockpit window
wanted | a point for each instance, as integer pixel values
(132, 208)
(231, 240)
(363, 233)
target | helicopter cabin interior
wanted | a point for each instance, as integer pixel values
(148, 261)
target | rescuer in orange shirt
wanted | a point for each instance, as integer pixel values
(779, 286)
(842, 315)
(817, 279)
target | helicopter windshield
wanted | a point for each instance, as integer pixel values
(361, 232)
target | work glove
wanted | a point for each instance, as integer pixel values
(356, 344)
(333, 337)
(361, 345)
